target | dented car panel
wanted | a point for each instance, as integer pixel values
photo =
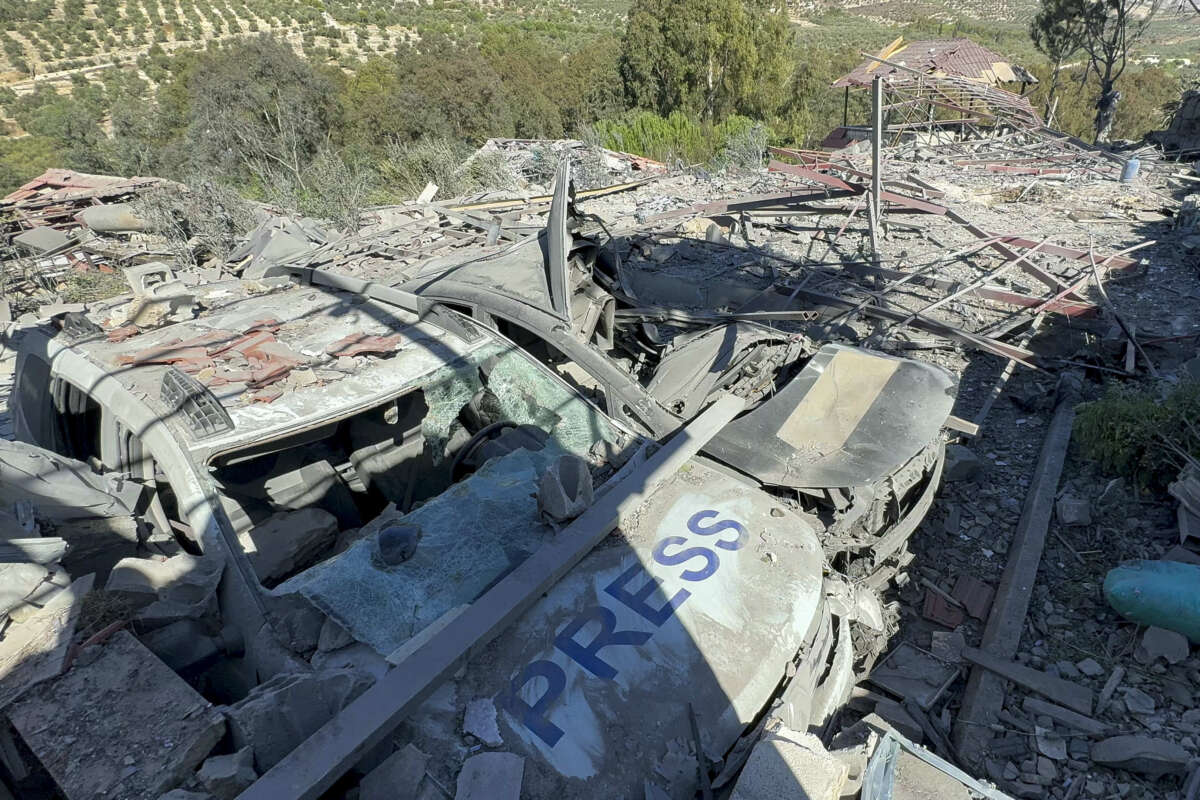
(593, 683)
(850, 417)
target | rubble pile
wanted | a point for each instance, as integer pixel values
(743, 485)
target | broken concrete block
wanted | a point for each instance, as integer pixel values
(1072, 510)
(1142, 754)
(1138, 702)
(480, 721)
(491, 776)
(565, 490)
(333, 637)
(399, 776)
(175, 588)
(786, 765)
(33, 651)
(1162, 643)
(118, 718)
(281, 713)
(961, 464)
(226, 776)
(286, 541)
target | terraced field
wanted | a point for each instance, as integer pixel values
(49, 39)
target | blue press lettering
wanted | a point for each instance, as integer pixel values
(685, 555)
(534, 716)
(637, 601)
(588, 656)
(721, 525)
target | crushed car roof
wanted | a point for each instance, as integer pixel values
(276, 358)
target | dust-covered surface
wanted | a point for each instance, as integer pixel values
(745, 613)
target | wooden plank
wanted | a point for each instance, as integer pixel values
(1036, 707)
(984, 694)
(325, 756)
(1069, 693)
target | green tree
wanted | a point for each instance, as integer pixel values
(1057, 31)
(1111, 28)
(258, 109)
(710, 58)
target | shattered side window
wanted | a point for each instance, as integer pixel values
(525, 394)
(530, 396)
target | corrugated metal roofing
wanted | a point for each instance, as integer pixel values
(961, 58)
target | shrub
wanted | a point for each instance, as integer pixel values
(1138, 433)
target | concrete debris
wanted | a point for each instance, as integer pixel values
(1137, 701)
(480, 722)
(119, 724)
(287, 541)
(226, 776)
(35, 650)
(491, 776)
(282, 712)
(385, 478)
(961, 464)
(1141, 754)
(400, 775)
(565, 490)
(1072, 510)
(785, 765)
(170, 589)
(1161, 643)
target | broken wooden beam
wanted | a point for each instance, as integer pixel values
(325, 756)
(984, 694)
(1037, 707)
(1069, 693)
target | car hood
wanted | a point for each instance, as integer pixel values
(680, 607)
(849, 418)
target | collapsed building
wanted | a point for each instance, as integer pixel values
(606, 492)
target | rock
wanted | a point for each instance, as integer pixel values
(298, 622)
(179, 587)
(1160, 642)
(1046, 768)
(480, 722)
(1072, 510)
(287, 541)
(1050, 744)
(1090, 667)
(333, 637)
(1010, 771)
(397, 777)
(565, 490)
(491, 776)
(1138, 701)
(184, 794)
(281, 713)
(1141, 754)
(961, 464)
(120, 701)
(226, 776)
(1068, 670)
(397, 543)
(785, 765)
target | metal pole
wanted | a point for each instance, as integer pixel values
(876, 145)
